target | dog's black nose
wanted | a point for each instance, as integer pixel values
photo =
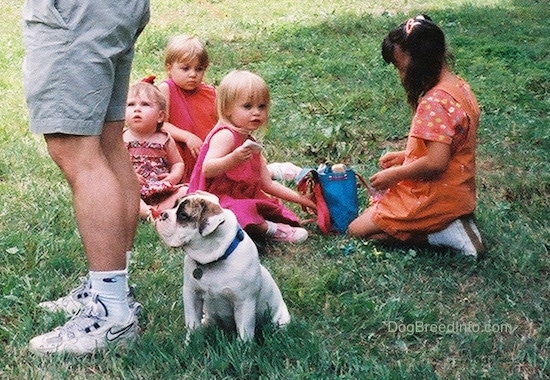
(163, 215)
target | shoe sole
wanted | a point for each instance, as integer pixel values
(474, 238)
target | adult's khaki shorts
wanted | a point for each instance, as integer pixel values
(78, 61)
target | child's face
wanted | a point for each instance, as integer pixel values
(143, 114)
(187, 76)
(248, 113)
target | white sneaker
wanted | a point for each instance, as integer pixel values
(86, 332)
(72, 302)
(289, 234)
(461, 235)
(80, 297)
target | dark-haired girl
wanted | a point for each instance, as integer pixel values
(430, 192)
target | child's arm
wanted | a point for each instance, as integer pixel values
(165, 90)
(280, 191)
(220, 157)
(191, 141)
(433, 163)
(175, 161)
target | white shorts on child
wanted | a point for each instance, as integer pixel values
(78, 61)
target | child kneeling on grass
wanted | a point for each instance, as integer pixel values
(431, 191)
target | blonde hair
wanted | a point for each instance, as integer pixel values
(238, 84)
(151, 92)
(183, 49)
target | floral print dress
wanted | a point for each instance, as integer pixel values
(150, 160)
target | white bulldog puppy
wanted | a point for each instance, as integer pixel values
(223, 280)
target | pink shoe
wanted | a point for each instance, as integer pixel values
(289, 234)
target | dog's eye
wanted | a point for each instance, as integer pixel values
(183, 216)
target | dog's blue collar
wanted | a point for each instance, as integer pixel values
(239, 236)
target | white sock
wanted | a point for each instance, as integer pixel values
(271, 228)
(128, 257)
(456, 236)
(111, 288)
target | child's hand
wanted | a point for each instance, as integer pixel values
(141, 179)
(243, 153)
(164, 177)
(169, 178)
(384, 179)
(193, 143)
(391, 159)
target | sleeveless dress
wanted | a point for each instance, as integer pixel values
(447, 113)
(151, 160)
(194, 112)
(239, 188)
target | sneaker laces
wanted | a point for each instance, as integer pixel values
(90, 317)
(83, 290)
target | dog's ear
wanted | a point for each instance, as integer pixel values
(212, 216)
(210, 223)
(211, 197)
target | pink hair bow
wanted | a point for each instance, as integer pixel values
(412, 22)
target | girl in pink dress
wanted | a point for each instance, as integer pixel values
(231, 165)
(430, 192)
(191, 104)
(155, 158)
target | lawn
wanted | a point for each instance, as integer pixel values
(360, 310)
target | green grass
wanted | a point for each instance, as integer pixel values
(360, 310)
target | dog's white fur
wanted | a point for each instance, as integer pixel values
(235, 292)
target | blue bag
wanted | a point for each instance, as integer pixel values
(334, 191)
(340, 193)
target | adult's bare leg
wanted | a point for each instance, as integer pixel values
(101, 209)
(117, 155)
(99, 199)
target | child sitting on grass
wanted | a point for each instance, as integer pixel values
(191, 104)
(232, 167)
(155, 158)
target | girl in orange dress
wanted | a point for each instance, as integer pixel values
(430, 192)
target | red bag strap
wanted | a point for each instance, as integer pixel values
(309, 184)
(367, 186)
